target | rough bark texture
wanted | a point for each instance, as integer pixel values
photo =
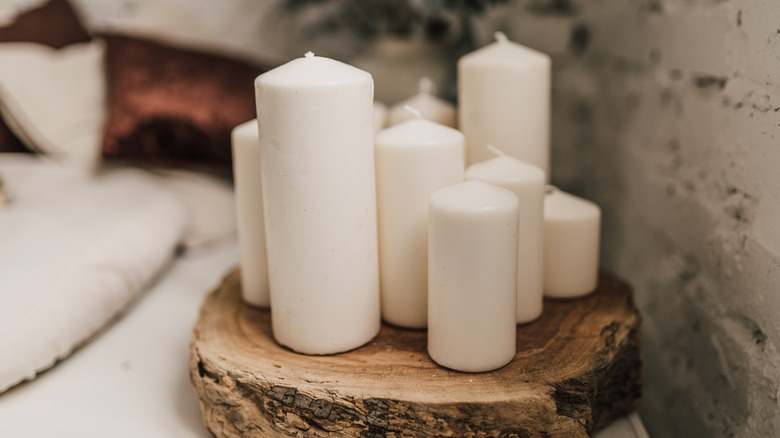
(576, 369)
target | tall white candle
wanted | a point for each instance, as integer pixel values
(504, 100)
(571, 245)
(413, 160)
(316, 145)
(527, 182)
(249, 214)
(425, 101)
(472, 274)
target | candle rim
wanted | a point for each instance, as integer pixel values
(505, 53)
(474, 196)
(435, 133)
(317, 71)
(560, 206)
(246, 134)
(506, 167)
(246, 127)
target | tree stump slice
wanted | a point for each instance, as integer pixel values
(576, 369)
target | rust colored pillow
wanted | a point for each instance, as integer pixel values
(174, 107)
(54, 24)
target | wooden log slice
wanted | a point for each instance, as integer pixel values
(577, 368)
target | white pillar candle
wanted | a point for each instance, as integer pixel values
(527, 182)
(413, 160)
(380, 116)
(316, 144)
(472, 274)
(430, 107)
(504, 100)
(571, 245)
(249, 214)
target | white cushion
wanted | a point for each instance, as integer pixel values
(74, 251)
(54, 100)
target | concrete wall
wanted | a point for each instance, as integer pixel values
(665, 114)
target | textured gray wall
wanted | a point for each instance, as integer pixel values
(665, 114)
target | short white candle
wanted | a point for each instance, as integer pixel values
(380, 116)
(472, 274)
(430, 107)
(571, 245)
(249, 213)
(504, 100)
(527, 182)
(316, 144)
(413, 160)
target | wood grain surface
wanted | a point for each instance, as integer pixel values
(577, 368)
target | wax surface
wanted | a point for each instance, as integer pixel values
(472, 275)
(413, 160)
(249, 214)
(527, 183)
(571, 245)
(504, 98)
(317, 159)
(380, 116)
(427, 104)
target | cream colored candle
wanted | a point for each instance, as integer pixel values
(413, 160)
(316, 144)
(504, 100)
(571, 245)
(249, 214)
(430, 107)
(472, 275)
(527, 182)
(380, 116)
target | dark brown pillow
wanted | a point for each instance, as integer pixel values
(8, 141)
(54, 24)
(174, 107)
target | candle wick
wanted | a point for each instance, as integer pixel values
(500, 37)
(496, 150)
(549, 189)
(427, 86)
(309, 54)
(414, 111)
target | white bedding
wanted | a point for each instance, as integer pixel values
(74, 251)
(54, 100)
(131, 381)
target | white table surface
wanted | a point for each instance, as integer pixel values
(132, 380)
